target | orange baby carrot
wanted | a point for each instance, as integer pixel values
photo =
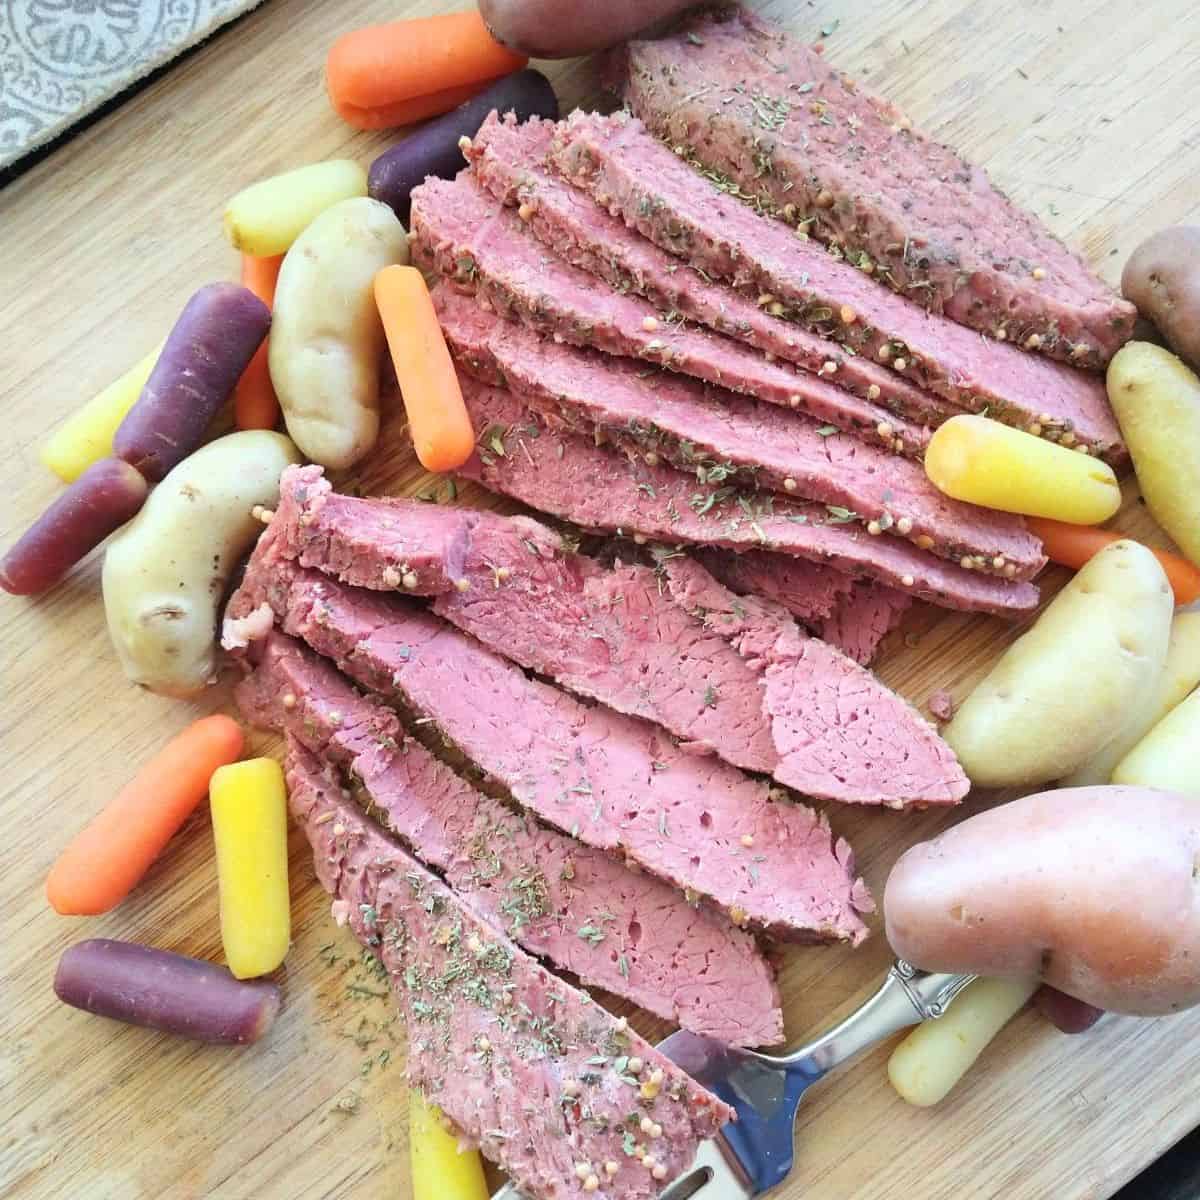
(383, 65)
(254, 402)
(437, 417)
(114, 850)
(1073, 545)
(406, 112)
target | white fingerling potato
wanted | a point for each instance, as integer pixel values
(1062, 692)
(1181, 673)
(166, 572)
(1157, 402)
(326, 335)
(267, 217)
(936, 1055)
(1168, 756)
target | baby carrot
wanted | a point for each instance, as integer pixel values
(86, 436)
(249, 819)
(114, 850)
(440, 1170)
(254, 403)
(437, 417)
(979, 460)
(371, 69)
(1073, 545)
(406, 112)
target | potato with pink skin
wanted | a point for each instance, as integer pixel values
(1093, 890)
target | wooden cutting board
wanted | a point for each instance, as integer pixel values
(1082, 109)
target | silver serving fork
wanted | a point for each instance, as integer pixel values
(755, 1153)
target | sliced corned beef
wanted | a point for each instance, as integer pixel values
(635, 176)
(863, 618)
(574, 905)
(669, 416)
(471, 239)
(810, 591)
(569, 476)
(616, 635)
(510, 160)
(530, 1069)
(836, 729)
(612, 781)
(421, 553)
(725, 88)
(853, 615)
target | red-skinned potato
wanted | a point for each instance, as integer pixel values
(565, 28)
(1093, 890)
(1065, 1012)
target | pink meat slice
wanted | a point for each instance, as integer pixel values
(571, 904)
(724, 88)
(677, 419)
(810, 591)
(569, 476)
(465, 235)
(835, 728)
(863, 618)
(612, 781)
(510, 160)
(527, 1067)
(654, 191)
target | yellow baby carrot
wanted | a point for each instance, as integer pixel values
(440, 1171)
(249, 817)
(976, 459)
(86, 436)
(267, 217)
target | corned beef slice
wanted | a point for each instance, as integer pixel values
(634, 175)
(616, 636)
(510, 160)
(849, 164)
(863, 618)
(836, 728)
(463, 233)
(570, 477)
(495, 1040)
(569, 903)
(423, 553)
(678, 419)
(612, 781)
(853, 616)
(808, 590)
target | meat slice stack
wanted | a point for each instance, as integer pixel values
(732, 677)
(762, 109)
(532, 1070)
(571, 904)
(609, 780)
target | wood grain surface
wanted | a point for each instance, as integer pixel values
(1082, 109)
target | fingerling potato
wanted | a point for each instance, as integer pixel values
(1169, 755)
(165, 572)
(1162, 277)
(327, 338)
(1157, 402)
(1064, 690)
(1180, 674)
(1093, 890)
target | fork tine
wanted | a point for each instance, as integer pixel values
(715, 1174)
